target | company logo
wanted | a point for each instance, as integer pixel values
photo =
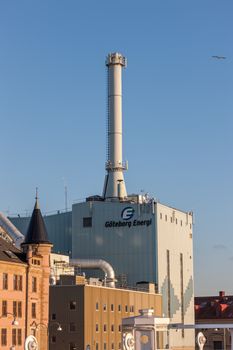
(127, 213)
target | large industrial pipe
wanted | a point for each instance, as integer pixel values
(114, 165)
(97, 264)
(11, 230)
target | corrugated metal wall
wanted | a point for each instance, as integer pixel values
(59, 227)
(131, 250)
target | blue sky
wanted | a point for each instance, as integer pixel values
(177, 107)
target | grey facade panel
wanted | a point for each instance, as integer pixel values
(59, 228)
(127, 244)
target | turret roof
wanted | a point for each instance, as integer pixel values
(37, 232)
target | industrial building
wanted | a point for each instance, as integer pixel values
(154, 244)
(141, 238)
(91, 314)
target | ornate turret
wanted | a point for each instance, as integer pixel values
(37, 232)
(37, 249)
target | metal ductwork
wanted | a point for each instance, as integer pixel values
(11, 230)
(97, 264)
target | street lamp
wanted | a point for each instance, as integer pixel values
(59, 328)
(38, 325)
(15, 322)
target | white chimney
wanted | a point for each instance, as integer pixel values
(114, 181)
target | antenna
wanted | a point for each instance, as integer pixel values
(65, 194)
(36, 194)
(36, 198)
(66, 197)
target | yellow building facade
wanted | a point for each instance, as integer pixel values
(92, 315)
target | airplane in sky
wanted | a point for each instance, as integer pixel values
(219, 57)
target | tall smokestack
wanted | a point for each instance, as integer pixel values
(114, 186)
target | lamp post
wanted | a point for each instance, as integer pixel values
(59, 328)
(38, 325)
(15, 323)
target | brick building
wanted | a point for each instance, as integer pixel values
(24, 287)
(215, 310)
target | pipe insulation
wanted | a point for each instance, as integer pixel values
(11, 230)
(97, 264)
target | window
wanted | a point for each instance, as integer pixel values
(72, 305)
(105, 307)
(171, 218)
(165, 217)
(53, 317)
(17, 308)
(112, 346)
(131, 309)
(105, 328)
(14, 282)
(36, 262)
(14, 310)
(218, 344)
(34, 284)
(97, 327)
(119, 328)
(4, 337)
(73, 346)
(97, 306)
(126, 308)
(10, 254)
(53, 339)
(14, 335)
(87, 222)
(4, 308)
(112, 307)
(176, 221)
(112, 327)
(97, 346)
(72, 327)
(5, 281)
(18, 282)
(33, 310)
(181, 223)
(119, 308)
(119, 346)
(105, 346)
(19, 337)
(161, 215)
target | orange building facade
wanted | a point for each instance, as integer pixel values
(24, 288)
